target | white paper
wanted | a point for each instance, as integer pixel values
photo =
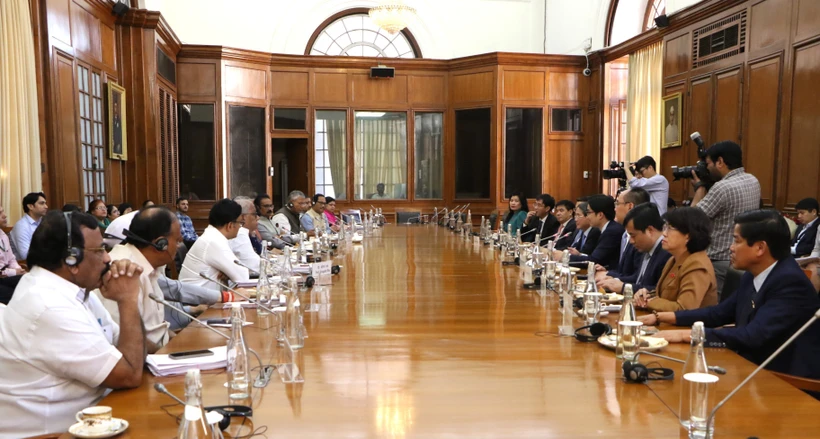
(163, 365)
(321, 268)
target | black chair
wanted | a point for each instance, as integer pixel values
(493, 219)
(408, 217)
(730, 284)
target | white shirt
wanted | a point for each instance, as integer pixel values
(243, 249)
(657, 186)
(152, 313)
(54, 355)
(116, 227)
(211, 254)
(604, 227)
(280, 221)
(761, 278)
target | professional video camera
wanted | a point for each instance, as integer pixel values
(684, 172)
(616, 170)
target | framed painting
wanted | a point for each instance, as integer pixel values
(117, 142)
(671, 119)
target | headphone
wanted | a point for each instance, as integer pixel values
(229, 411)
(289, 205)
(161, 244)
(635, 372)
(596, 329)
(73, 255)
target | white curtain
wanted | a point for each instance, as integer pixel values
(381, 157)
(19, 123)
(643, 102)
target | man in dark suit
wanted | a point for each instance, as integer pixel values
(539, 220)
(645, 228)
(601, 215)
(629, 261)
(586, 237)
(564, 212)
(773, 301)
(804, 238)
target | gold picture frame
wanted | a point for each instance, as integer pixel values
(671, 111)
(117, 139)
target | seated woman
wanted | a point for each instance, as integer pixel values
(98, 210)
(688, 278)
(518, 212)
(113, 213)
(330, 210)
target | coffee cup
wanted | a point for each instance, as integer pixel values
(95, 419)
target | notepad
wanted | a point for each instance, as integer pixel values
(162, 365)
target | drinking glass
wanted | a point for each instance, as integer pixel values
(263, 297)
(592, 306)
(629, 336)
(702, 390)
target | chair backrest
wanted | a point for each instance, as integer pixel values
(407, 217)
(493, 219)
(806, 384)
(352, 216)
(730, 284)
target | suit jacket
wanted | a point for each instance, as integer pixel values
(805, 243)
(566, 242)
(589, 244)
(652, 274)
(545, 228)
(608, 250)
(766, 319)
(688, 284)
(629, 264)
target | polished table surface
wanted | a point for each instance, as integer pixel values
(424, 334)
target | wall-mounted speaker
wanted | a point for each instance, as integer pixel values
(662, 21)
(382, 72)
(121, 7)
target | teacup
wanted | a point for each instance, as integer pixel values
(95, 419)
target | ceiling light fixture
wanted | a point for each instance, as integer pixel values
(392, 15)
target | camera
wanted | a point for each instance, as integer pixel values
(684, 172)
(587, 71)
(616, 170)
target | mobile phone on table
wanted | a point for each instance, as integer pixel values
(190, 354)
(223, 321)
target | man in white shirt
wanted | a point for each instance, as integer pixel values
(241, 245)
(211, 254)
(55, 354)
(657, 185)
(35, 208)
(152, 240)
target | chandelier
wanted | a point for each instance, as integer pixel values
(391, 15)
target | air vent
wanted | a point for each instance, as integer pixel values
(166, 67)
(719, 40)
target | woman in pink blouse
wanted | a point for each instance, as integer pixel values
(330, 210)
(10, 270)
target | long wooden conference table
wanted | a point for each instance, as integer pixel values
(425, 335)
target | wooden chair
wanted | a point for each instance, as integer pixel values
(805, 384)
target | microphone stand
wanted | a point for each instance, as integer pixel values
(264, 371)
(237, 262)
(794, 336)
(202, 275)
(716, 369)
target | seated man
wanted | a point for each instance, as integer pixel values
(242, 245)
(315, 217)
(380, 195)
(645, 228)
(10, 270)
(806, 233)
(773, 301)
(59, 349)
(586, 236)
(267, 230)
(195, 299)
(189, 235)
(35, 208)
(211, 254)
(601, 213)
(151, 242)
(287, 219)
(540, 221)
(628, 258)
(564, 212)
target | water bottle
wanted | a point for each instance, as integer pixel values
(293, 322)
(627, 315)
(695, 363)
(238, 366)
(263, 288)
(194, 424)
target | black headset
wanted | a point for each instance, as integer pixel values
(635, 372)
(73, 255)
(161, 244)
(596, 330)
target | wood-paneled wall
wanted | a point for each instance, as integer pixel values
(764, 98)
(224, 76)
(72, 33)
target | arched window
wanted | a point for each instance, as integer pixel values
(654, 8)
(353, 33)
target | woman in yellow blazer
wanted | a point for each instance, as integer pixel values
(688, 278)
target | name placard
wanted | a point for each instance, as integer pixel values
(322, 272)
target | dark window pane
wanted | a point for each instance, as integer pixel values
(166, 67)
(429, 155)
(247, 151)
(197, 169)
(289, 118)
(473, 153)
(566, 119)
(522, 151)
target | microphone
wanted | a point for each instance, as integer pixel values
(716, 369)
(202, 275)
(265, 372)
(161, 389)
(759, 368)
(225, 411)
(237, 262)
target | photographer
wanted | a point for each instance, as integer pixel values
(733, 193)
(647, 177)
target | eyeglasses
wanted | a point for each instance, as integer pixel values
(266, 206)
(667, 227)
(100, 207)
(102, 249)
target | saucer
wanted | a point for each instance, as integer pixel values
(117, 427)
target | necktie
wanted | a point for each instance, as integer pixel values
(560, 229)
(644, 264)
(581, 245)
(624, 242)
